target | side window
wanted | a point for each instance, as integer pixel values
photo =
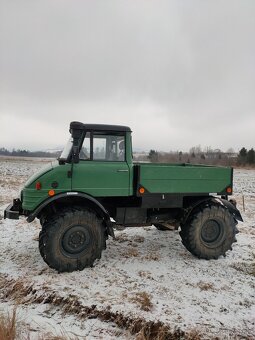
(85, 150)
(121, 148)
(106, 147)
(109, 147)
(99, 147)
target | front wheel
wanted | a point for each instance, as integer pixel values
(209, 232)
(72, 240)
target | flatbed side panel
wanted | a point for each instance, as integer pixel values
(184, 179)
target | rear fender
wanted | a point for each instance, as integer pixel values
(214, 200)
(232, 209)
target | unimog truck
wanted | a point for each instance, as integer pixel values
(95, 186)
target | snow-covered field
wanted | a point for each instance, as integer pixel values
(144, 275)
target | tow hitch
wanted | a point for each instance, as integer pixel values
(13, 210)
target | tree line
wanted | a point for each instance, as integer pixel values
(26, 153)
(207, 156)
(246, 156)
(195, 155)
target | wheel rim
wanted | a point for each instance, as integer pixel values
(75, 240)
(211, 231)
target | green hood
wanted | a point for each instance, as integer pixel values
(41, 172)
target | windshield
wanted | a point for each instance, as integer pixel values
(66, 152)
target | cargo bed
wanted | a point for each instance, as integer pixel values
(184, 178)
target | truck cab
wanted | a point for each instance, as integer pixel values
(103, 162)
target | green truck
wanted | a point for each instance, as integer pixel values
(95, 185)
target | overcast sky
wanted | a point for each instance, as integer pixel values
(179, 73)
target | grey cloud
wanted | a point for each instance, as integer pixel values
(186, 67)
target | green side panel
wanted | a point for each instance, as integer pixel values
(164, 178)
(101, 179)
(31, 197)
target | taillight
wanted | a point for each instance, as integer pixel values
(229, 190)
(141, 190)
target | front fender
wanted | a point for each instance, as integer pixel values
(48, 201)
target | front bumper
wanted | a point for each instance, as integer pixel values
(13, 211)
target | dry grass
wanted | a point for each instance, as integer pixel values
(11, 329)
(193, 334)
(162, 333)
(205, 285)
(137, 326)
(145, 274)
(8, 326)
(152, 257)
(146, 334)
(143, 299)
(130, 252)
(139, 239)
(253, 269)
(12, 182)
(245, 267)
(121, 238)
(16, 289)
(51, 336)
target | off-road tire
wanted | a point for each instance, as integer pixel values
(209, 232)
(42, 219)
(72, 239)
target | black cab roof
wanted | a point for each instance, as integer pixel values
(98, 127)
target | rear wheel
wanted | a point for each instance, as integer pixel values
(209, 232)
(72, 239)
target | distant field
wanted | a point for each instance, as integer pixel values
(25, 159)
(144, 275)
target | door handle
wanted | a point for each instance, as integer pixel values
(122, 170)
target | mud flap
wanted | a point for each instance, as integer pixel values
(109, 228)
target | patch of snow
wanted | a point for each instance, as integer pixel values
(215, 297)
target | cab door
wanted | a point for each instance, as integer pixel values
(102, 170)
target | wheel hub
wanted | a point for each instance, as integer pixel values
(211, 231)
(75, 240)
